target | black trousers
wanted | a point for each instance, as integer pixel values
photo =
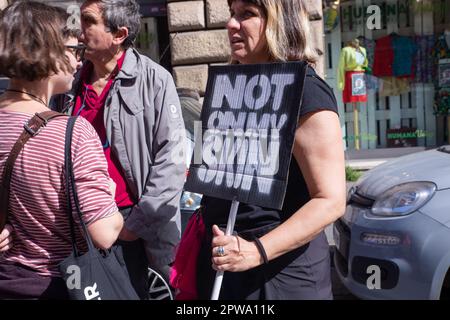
(302, 274)
(20, 282)
(136, 261)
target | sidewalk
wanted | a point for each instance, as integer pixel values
(368, 159)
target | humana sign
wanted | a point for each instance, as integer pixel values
(408, 135)
(373, 14)
(386, 10)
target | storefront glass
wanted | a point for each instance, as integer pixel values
(388, 62)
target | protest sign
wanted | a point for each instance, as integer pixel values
(248, 122)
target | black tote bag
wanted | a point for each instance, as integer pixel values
(96, 274)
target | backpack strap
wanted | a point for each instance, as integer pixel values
(31, 129)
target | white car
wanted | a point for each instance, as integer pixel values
(394, 240)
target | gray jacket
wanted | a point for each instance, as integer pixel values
(145, 129)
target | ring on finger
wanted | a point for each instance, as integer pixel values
(220, 251)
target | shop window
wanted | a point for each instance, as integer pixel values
(411, 86)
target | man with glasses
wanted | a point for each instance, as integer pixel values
(132, 103)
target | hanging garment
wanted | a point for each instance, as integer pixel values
(444, 73)
(394, 56)
(442, 47)
(383, 58)
(404, 52)
(442, 101)
(355, 89)
(392, 86)
(441, 53)
(351, 59)
(331, 19)
(372, 83)
(369, 45)
(424, 66)
(447, 37)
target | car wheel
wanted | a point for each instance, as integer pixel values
(445, 291)
(158, 288)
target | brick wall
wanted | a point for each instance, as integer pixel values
(199, 39)
(314, 8)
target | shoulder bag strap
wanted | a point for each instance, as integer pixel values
(31, 129)
(72, 190)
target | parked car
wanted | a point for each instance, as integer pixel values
(397, 222)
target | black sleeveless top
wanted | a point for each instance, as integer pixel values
(317, 95)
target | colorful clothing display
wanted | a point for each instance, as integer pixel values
(351, 59)
(394, 56)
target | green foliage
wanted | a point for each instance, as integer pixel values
(352, 174)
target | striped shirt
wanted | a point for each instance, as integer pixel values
(38, 206)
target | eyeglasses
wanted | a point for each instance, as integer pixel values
(77, 51)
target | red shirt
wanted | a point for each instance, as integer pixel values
(383, 58)
(91, 106)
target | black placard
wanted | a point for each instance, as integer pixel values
(248, 122)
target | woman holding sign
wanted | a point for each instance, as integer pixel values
(280, 254)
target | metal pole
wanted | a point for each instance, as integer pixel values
(229, 231)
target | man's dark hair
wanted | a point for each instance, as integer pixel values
(122, 13)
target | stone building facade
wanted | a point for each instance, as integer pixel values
(3, 4)
(197, 35)
(198, 38)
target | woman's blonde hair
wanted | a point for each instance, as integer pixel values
(287, 31)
